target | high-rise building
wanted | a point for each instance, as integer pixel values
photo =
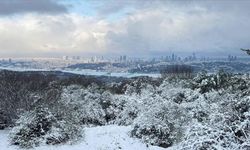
(194, 57)
(120, 59)
(174, 57)
(232, 58)
(124, 58)
(65, 57)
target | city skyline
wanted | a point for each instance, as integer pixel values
(55, 28)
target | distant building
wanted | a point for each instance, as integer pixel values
(120, 59)
(65, 57)
(124, 58)
(194, 57)
(173, 57)
(92, 59)
(75, 57)
(190, 58)
(232, 58)
(179, 58)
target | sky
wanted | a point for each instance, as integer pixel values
(54, 28)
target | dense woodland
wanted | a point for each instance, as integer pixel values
(202, 111)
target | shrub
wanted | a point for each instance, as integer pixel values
(127, 110)
(91, 106)
(32, 127)
(161, 125)
(3, 120)
(64, 131)
(84, 103)
(41, 126)
(225, 125)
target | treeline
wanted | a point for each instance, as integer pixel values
(184, 71)
(17, 92)
(23, 91)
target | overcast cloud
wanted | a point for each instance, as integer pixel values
(52, 28)
(10, 7)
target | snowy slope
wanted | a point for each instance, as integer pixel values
(111, 137)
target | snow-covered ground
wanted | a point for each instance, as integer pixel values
(111, 137)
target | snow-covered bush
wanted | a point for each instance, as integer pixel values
(127, 110)
(91, 106)
(110, 106)
(205, 82)
(218, 124)
(32, 127)
(161, 125)
(140, 83)
(216, 115)
(85, 104)
(219, 133)
(220, 81)
(64, 131)
(200, 137)
(42, 126)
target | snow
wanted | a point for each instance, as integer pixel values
(110, 137)
(4, 143)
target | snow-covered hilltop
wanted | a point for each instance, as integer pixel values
(46, 111)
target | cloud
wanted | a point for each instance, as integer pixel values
(9, 7)
(192, 27)
(157, 28)
(51, 35)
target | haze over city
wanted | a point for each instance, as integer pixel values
(54, 28)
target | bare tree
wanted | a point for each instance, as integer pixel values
(181, 71)
(246, 50)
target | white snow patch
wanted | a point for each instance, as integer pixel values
(111, 137)
(4, 143)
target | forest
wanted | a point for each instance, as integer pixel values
(182, 112)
